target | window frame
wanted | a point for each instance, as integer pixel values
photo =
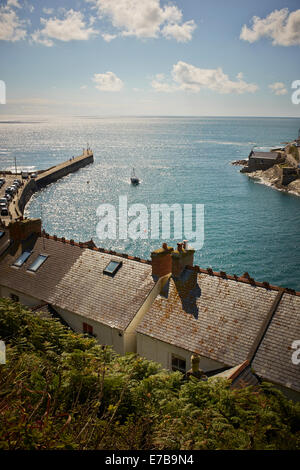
(176, 368)
(115, 270)
(14, 297)
(87, 329)
(23, 262)
(41, 255)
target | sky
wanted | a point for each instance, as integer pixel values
(150, 57)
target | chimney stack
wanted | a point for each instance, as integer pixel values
(20, 230)
(162, 261)
(182, 257)
(195, 370)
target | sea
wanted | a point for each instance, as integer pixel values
(247, 226)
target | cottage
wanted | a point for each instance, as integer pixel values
(262, 160)
(94, 292)
(227, 321)
(166, 309)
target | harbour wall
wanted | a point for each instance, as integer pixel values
(51, 175)
(59, 171)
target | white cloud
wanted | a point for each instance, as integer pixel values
(48, 11)
(278, 88)
(72, 27)
(38, 38)
(13, 3)
(12, 28)
(108, 37)
(159, 83)
(280, 26)
(146, 19)
(188, 77)
(182, 33)
(107, 81)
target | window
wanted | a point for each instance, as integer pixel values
(14, 297)
(37, 263)
(178, 364)
(112, 267)
(2, 234)
(21, 260)
(87, 329)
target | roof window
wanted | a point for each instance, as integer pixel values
(112, 267)
(37, 263)
(22, 258)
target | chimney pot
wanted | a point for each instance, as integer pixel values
(185, 244)
(195, 359)
(161, 261)
(181, 259)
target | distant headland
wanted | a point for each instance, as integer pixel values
(279, 168)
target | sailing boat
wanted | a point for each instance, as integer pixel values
(134, 179)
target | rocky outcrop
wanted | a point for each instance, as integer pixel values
(240, 162)
(278, 178)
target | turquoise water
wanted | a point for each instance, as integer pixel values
(248, 226)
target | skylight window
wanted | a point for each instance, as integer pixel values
(112, 267)
(37, 263)
(21, 260)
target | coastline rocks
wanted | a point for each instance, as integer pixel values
(294, 187)
(272, 177)
(240, 162)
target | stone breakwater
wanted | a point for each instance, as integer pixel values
(51, 175)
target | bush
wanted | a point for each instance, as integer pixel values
(60, 390)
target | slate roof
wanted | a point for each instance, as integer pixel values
(264, 155)
(113, 301)
(4, 240)
(245, 378)
(219, 318)
(40, 284)
(72, 278)
(273, 360)
(240, 376)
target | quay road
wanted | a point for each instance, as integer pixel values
(13, 208)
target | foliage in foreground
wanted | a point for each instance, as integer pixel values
(60, 390)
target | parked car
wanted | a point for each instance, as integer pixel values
(10, 190)
(4, 212)
(3, 200)
(25, 175)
